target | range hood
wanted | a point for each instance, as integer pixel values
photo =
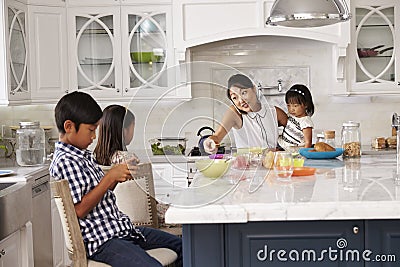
(308, 13)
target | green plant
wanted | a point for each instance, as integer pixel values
(3, 147)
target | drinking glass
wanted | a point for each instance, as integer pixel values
(130, 158)
(283, 165)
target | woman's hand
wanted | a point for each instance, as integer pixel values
(210, 146)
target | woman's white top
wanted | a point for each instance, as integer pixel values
(259, 129)
(293, 133)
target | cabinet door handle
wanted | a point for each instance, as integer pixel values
(356, 230)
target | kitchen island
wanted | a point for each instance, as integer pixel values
(344, 215)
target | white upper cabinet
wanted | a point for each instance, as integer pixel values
(373, 56)
(111, 2)
(44, 2)
(48, 53)
(95, 50)
(147, 60)
(120, 52)
(198, 22)
(16, 43)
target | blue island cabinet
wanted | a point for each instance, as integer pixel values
(293, 243)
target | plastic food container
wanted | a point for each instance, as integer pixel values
(168, 146)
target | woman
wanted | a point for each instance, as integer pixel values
(253, 121)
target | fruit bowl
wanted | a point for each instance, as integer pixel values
(213, 168)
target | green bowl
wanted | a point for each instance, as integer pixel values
(142, 57)
(213, 168)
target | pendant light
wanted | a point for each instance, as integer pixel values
(308, 13)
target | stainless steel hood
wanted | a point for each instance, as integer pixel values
(308, 13)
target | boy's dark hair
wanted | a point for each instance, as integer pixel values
(111, 139)
(78, 107)
(240, 81)
(299, 94)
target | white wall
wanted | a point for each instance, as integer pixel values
(209, 101)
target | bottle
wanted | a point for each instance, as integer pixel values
(351, 139)
(320, 138)
(30, 144)
(330, 138)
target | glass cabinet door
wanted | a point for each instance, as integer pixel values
(96, 40)
(375, 37)
(17, 45)
(147, 47)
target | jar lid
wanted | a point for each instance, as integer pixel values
(329, 134)
(351, 124)
(29, 124)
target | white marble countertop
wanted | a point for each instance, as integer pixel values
(340, 190)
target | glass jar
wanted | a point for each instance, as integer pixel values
(351, 139)
(30, 144)
(330, 138)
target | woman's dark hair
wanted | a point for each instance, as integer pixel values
(115, 119)
(78, 107)
(299, 94)
(240, 81)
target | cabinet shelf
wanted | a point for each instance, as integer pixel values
(374, 26)
(95, 31)
(95, 64)
(377, 57)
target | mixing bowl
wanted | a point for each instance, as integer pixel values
(213, 168)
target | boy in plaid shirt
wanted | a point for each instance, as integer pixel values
(108, 234)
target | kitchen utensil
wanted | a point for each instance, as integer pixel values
(202, 138)
(371, 52)
(320, 155)
(213, 168)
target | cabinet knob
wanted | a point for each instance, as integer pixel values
(12, 93)
(3, 252)
(126, 90)
(398, 83)
(117, 90)
(356, 230)
(66, 91)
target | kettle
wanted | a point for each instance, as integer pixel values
(203, 137)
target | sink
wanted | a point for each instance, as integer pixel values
(15, 206)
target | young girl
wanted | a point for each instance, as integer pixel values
(115, 133)
(298, 130)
